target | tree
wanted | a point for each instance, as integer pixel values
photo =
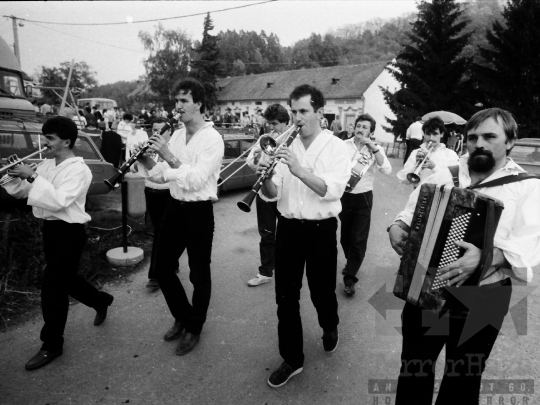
(432, 74)
(207, 66)
(509, 77)
(82, 78)
(168, 61)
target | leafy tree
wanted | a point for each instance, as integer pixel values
(168, 61)
(206, 67)
(430, 70)
(82, 78)
(510, 75)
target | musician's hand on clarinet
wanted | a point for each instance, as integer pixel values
(144, 157)
(159, 144)
(398, 239)
(288, 157)
(263, 166)
(459, 271)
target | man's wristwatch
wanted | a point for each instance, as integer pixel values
(173, 161)
(31, 178)
(392, 224)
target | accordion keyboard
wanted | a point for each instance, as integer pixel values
(451, 252)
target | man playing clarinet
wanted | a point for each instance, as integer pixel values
(191, 164)
(307, 185)
(491, 134)
(57, 192)
(356, 204)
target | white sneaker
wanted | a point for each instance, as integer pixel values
(260, 279)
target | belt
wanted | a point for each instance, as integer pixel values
(309, 221)
(181, 202)
(157, 190)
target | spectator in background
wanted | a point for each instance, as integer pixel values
(80, 120)
(414, 137)
(36, 108)
(100, 121)
(228, 118)
(258, 123)
(89, 117)
(336, 126)
(347, 134)
(45, 108)
(245, 121)
(324, 123)
(125, 127)
(110, 117)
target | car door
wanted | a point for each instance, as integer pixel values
(232, 151)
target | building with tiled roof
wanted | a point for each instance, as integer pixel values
(348, 90)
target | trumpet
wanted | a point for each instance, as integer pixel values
(18, 162)
(8, 179)
(357, 176)
(269, 146)
(414, 177)
(117, 177)
(258, 143)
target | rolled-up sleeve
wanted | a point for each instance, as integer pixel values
(193, 177)
(44, 194)
(338, 174)
(386, 167)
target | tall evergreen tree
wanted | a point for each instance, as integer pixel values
(432, 74)
(510, 75)
(206, 68)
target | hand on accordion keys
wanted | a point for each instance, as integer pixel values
(459, 271)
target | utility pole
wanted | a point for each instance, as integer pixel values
(16, 39)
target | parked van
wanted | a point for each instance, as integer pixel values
(104, 103)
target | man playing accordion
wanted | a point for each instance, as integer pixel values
(491, 134)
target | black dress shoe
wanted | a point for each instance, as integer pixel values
(187, 344)
(101, 313)
(42, 358)
(175, 332)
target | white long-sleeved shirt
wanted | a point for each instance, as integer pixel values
(134, 139)
(442, 157)
(415, 131)
(518, 232)
(124, 130)
(366, 183)
(196, 178)
(327, 158)
(59, 192)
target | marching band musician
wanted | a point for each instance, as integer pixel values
(440, 158)
(57, 192)
(278, 117)
(307, 185)
(192, 160)
(491, 135)
(356, 205)
(157, 197)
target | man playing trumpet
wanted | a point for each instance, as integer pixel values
(440, 158)
(278, 117)
(356, 204)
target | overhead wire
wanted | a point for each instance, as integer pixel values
(146, 21)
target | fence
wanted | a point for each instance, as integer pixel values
(394, 149)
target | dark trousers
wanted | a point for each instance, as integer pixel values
(465, 363)
(186, 225)
(414, 144)
(63, 245)
(311, 244)
(156, 204)
(267, 214)
(355, 220)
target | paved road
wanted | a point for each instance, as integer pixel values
(126, 360)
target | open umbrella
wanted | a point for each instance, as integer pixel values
(447, 116)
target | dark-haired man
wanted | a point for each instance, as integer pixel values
(307, 184)
(191, 164)
(355, 215)
(278, 117)
(440, 158)
(491, 135)
(57, 192)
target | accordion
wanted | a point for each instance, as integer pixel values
(443, 215)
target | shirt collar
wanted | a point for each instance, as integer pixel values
(510, 168)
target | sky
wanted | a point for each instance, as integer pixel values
(115, 52)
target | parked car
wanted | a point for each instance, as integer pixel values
(22, 138)
(235, 145)
(526, 153)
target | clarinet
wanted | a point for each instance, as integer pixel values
(117, 177)
(245, 204)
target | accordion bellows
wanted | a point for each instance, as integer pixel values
(443, 215)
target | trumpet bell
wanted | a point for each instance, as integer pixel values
(268, 145)
(413, 178)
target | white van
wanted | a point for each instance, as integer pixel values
(104, 103)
